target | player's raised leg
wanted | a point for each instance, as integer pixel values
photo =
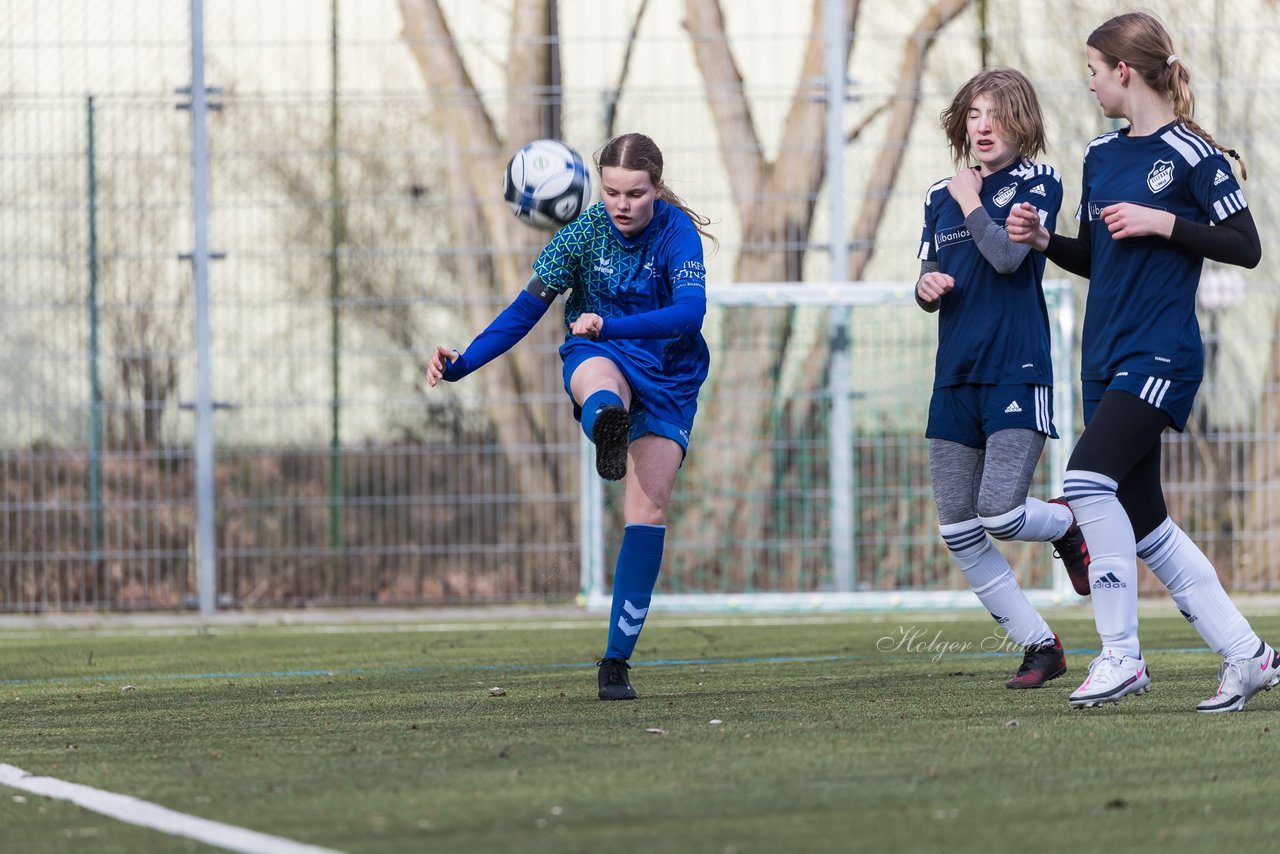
(605, 397)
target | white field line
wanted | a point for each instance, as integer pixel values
(146, 814)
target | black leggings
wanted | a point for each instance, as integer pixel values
(1122, 441)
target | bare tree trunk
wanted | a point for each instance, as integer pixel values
(495, 249)
(776, 204)
(906, 102)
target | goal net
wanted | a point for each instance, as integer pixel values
(806, 486)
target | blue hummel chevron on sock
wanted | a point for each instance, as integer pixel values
(592, 405)
(639, 560)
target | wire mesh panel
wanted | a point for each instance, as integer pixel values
(760, 538)
(355, 163)
(95, 475)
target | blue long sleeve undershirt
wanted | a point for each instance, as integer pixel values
(1233, 241)
(514, 322)
(680, 318)
(504, 332)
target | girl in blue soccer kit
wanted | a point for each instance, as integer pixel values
(633, 356)
(1158, 198)
(992, 404)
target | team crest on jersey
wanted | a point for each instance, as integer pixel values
(1161, 175)
(1005, 195)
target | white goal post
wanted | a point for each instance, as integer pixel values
(890, 340)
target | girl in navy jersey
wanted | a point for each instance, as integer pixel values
(633, 357)
(1158, 197)
(992, 404)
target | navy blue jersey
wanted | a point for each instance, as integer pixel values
(993, 328)
(1141, 312)
(612, 275)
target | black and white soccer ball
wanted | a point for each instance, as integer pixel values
(546, 184)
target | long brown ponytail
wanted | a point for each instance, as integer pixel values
(1143, 43)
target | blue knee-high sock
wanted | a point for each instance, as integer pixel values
(593, 404)
(639, 560)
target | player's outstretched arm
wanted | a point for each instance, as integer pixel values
(506, 330)
(440, 361)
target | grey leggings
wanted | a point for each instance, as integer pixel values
(972, 482)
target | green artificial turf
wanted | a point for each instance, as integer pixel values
(831, 736)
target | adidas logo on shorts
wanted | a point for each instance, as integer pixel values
(1108, 582)
(1012, 408)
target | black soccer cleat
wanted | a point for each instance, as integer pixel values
(611, 434)
(614, 684)
(1073, 551)
(1039, 665)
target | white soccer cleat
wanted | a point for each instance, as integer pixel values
(1111, 677)
(1241, 679)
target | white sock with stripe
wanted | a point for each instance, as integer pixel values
(1035, 521)
(994, 583)
(1195, 587)
(1113, 565)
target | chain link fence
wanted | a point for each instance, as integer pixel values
(356, 220)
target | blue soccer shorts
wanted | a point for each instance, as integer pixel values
(969, 414)
(1173, 397)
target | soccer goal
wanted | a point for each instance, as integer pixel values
(806, 487)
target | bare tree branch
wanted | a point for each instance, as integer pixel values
(740, 147)
(796, 175)
(776, 225)
(857, 129)
(528, 69)
(473, 147)
(906, 100)
(611, 104)
(494, 248)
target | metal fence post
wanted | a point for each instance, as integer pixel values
(1061, 306)
(337, 236)
(206, 549)
(95, 388)
(840, 425)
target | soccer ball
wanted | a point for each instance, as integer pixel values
(546, 184)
